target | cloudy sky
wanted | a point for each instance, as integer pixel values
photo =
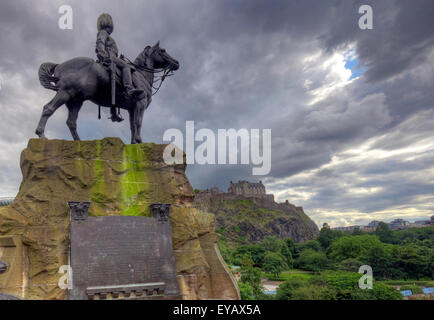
(351, 110)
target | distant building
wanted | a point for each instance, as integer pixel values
(246, 188)
(6, 201)
(399, 224)
(348, 228)
(241, 189)
(213, 190)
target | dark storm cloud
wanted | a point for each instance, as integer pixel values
(243, 64)
(401, 38)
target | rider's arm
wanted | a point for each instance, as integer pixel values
(100, 49)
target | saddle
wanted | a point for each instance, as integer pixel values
(118, 78)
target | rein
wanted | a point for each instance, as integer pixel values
(167, 72)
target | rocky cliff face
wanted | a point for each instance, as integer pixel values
(251, 219)
(118, 179)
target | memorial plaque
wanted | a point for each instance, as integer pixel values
(117, 257)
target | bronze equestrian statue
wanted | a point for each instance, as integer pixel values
(81, 79)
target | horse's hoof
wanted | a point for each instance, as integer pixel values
(41, 136)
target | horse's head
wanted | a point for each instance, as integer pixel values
(158, 57)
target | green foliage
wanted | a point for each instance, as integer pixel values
(286, 253)
(424, 283)
(415, 236)
(286, 290)
(241, 240)
(327, 236)
(272, 243)
(351, 265)
(251, 276)
(412, 262)
(255, 251)
(354, 247)
(312, 260)
(293, 248)
(357, 232)
(346, 287)
(274, 263)
(380, 291)
(287, 276)
(404, 255)
(246, 291)
(220, 230)
(311, 244)
(245, 203)
(225, 252)
(196, 191)
(384, 232)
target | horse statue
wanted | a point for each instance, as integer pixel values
(81, 79)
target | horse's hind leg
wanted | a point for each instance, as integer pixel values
(59, 99)
(73, 108)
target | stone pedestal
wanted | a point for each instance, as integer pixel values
(117, 179)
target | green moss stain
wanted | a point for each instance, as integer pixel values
(98, 191)
(134, 183)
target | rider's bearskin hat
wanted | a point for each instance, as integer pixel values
(105, 20)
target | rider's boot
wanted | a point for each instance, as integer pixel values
(114, 115)
(128, 83)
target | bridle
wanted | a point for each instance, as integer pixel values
(167, 72)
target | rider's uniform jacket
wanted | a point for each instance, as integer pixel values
(105, 46)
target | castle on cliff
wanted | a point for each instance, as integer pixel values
(246, 188)
(241, 188)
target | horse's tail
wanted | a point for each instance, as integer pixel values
(46, 76)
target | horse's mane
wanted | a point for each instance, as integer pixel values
(141, 58)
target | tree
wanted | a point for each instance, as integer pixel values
(272, 243)
(311, 244)
(293, 247)
(251, 276)
(286, 290)
(384, 233)
(379, 259)
(327, 236)
(286, 253)
(274, 263)
(255, 251)
(354, 247)
(313, 260)
(351, 265)
(246, 290)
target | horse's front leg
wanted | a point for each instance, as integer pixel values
(132, 125)
(138, 118)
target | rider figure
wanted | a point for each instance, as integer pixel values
(107, 51)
